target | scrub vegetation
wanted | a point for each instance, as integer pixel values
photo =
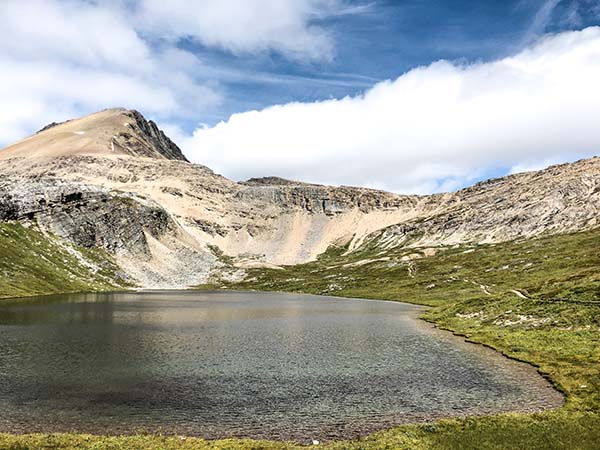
(535, 300)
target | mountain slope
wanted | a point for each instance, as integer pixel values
(113, 181)
(559, 199)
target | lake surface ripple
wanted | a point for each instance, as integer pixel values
(260, 365)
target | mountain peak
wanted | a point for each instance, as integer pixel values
(115, 131)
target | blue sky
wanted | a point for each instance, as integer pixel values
(386, 38)
(412, 96)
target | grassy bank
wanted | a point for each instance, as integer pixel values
(536, 432)
(534, 300)
(33, 263)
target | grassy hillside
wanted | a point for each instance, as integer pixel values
(32, 263)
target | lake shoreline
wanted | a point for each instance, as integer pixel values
(413, 311)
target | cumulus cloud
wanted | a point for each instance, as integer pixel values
(70, 31)
(434, 128)
(64, 58)
(246, 26)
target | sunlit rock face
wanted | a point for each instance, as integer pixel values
(114, 180)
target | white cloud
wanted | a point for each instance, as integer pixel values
(70, 31)
(65, 58)
(61, 59)
(34, 94)
(530, 166)
(434, 127)
(245, 26)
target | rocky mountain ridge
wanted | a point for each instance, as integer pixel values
(114, 181)
(560, 199)
(115, 131)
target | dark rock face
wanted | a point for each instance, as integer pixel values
(146, 139)
(88, 216)
(47, 127)
(211, 228)
(270, 181)
(26, 200)
(324, 199)
(117, 225)
(9, 210)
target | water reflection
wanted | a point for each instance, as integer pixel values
(241, 364)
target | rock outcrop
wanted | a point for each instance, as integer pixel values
(146, 139)
(132, 229)
(116, 131)
(271, 181)
(560, 199)
(113, 180)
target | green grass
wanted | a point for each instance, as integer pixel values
(32, 263)
(556, 327)
(549, 431)
(473, 291)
